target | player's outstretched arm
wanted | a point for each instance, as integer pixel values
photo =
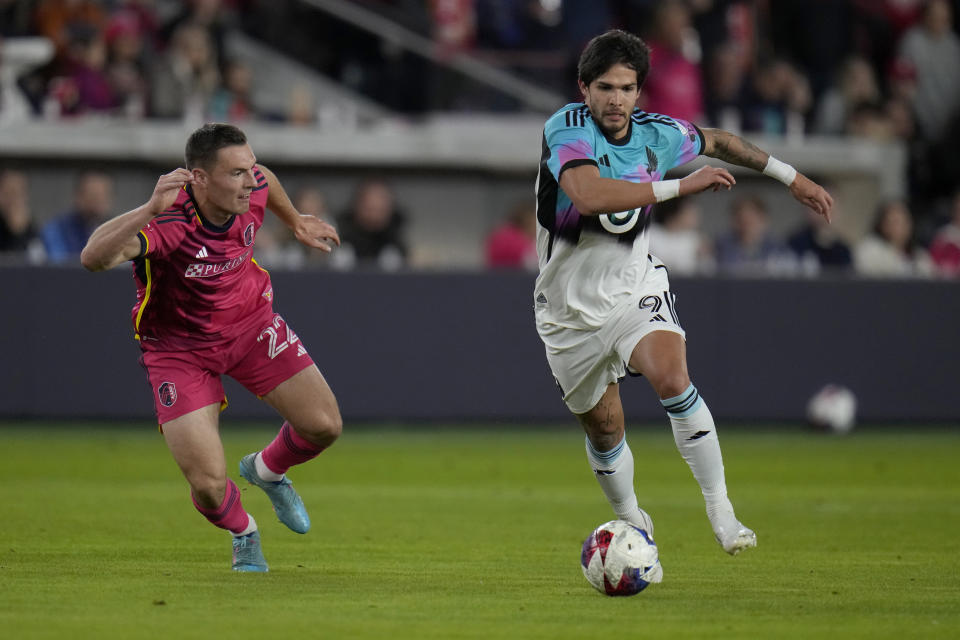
(593, 195)
(309, 230)
(731, 148)
(115, 241)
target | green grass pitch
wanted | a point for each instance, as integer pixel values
(448, 532)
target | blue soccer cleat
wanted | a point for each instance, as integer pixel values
(286, 502)
(247, 554)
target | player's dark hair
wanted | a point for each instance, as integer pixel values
(204, 143)
(610, 48)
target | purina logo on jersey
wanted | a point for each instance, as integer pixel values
(620, 222)
(201, 270)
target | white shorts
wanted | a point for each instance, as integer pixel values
(585, 362)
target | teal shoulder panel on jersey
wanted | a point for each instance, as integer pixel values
(676, 141)
(570, 137)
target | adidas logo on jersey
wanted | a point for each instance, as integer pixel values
(202, 253)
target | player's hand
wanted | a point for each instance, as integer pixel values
(316, 233)
(704, 178)
(167, 189)
(810, 194)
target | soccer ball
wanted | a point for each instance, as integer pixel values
(619, 559)
(833, 408)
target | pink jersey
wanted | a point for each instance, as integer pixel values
(197, 283)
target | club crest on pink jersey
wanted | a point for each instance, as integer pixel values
(167, 392)
(248, 235)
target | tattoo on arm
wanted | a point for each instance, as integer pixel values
(731, 148)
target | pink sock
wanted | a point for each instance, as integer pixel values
(289, 448)
(230, 515)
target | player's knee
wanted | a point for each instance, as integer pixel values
(672, 384)
(324, 426)
(603, 434)
(208, 489)
(605, 439)
(333, 425)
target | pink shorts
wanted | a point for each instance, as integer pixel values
(184, 381)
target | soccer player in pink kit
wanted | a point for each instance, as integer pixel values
(205, 308)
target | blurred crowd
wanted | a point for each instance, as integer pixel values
(373, 230)
(885, 70)
(371, 226)
(160, 59)
(747, 247)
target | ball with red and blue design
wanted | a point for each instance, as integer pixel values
(619, 559)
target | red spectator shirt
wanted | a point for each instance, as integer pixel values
(510, 247)
(198, 283)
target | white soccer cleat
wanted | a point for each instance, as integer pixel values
(735, 537)
(642, 520)
(730, 532)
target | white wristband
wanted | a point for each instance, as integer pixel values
(665, 189)
(780, 171)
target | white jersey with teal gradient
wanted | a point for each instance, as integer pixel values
(589, 265)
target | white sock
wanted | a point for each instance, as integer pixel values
(696, 436)
(251, 527)
(264, 471)
(614, 472)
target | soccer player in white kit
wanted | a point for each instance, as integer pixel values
(602, 303)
